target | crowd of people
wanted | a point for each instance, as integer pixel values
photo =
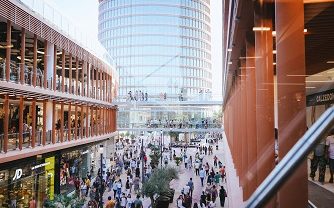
(323, 154)
(174, 123)
(137, 96)
(211, 177)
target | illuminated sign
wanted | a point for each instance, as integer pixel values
(18, 174)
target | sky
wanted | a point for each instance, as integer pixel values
(84, 15)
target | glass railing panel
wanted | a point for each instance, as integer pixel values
(48, 139)
(26, 139)
(13, 141)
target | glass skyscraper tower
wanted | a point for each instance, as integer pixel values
(160, 46)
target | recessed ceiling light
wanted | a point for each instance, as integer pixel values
(229, 49)
(310, 87)
(261, 28)
(330, 62)
(230, 62)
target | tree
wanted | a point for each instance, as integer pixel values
(158, 183)
(155, 155)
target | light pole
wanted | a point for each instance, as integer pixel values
(161, 148)
(101, 177)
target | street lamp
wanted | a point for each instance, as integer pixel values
(161, 139)
(101, 176)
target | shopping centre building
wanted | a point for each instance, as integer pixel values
(55, 104)
(278, 79)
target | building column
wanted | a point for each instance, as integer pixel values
(81, 122)
(45, 103)
(92, 121)
(34, 75)
(290, 60)
(243, 122)
(54, 87)
(251, 120)
(61, 122)
(6, 122)
(63, 70)
(69, 122)
(8, 49)
(45, 74)
(77, 76)
(49, 66)
(264, 73)
(87, 121)
(33, 121)
(21, 106)
(23, 48)
(70, 76)
(86, 70)
(75, 121)
(53, 121)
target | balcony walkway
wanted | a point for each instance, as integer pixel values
(131, 104)
(183, 130)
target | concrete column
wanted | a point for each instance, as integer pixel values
(23, 47)
(264, 94)
(49, 115)
(243, 122)
(251, 175)
(54, 81)
(8, 49)
(5, 123)
(34, 75)
(50, 50)
(21, 106)
(33, 121)
(290, 60)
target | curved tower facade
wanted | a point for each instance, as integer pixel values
(160, 47)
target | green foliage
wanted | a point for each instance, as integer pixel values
(158, 183)
(127, 134)
(121, 134)
(132, 136)
(155, 156)
(178, 160)
(64, 201)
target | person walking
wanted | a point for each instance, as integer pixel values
(214, 193)
(319, 160)
(114, 188)
(191, 185)
(110, 203)
(138, 203)
(123, 201)
(197, 167)
(222, 196)
(215, 161)
(202, 176)
(330, 154)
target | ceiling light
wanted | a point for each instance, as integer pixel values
(230, 62)
(273, 33)
(310, 87)
(274, 64)
(330, 62)
(274, 51)
(229, 49)
(40, 52)
(305, 30)
(249, 57)
(261, 28)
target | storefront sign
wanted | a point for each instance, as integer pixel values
(18, 174)
(40, 165)
(50, 170)
(321, 98)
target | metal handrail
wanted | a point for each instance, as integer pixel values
(292, 160)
